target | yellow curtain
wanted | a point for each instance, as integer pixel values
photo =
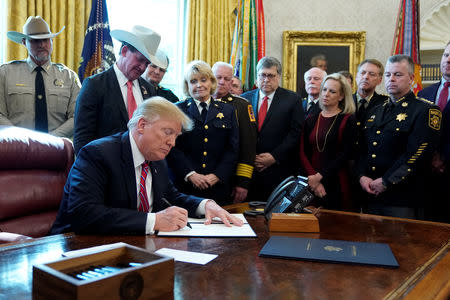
(210, 32)
(67, 47)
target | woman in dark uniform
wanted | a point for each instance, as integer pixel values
(327, 142)
(204, 160)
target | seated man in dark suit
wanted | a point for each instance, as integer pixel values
(120, 185)
(439, 93)
(107, 100)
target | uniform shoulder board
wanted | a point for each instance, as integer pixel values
(425, 100)
(16, 62)
(220, 100)
(239, 97)
(60, 66)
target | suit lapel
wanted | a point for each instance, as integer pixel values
(192, 110)
(129, 176)
(255, 99)
(214, 109)
(116, 94)
(145, 92)
(156, 190)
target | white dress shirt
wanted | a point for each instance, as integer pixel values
(124, 88)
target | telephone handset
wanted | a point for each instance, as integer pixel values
(291, 195)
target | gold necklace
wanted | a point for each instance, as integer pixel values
(326, 135)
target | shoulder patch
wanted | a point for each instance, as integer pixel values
(250, 113)
(425, 100)
(434, 118)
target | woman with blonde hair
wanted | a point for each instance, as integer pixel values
(327, 142)
(203, 160)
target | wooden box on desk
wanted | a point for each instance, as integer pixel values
(153, 279)
(291, 222)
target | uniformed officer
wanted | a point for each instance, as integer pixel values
(397, 140)
(36, 93)
(247, 129)
(204, 159)
(155, 75)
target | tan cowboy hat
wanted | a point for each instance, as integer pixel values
(34, 28)
(145, 40)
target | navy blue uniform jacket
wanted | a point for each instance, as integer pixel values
(100, 195)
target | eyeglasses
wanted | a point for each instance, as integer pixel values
(268, 76)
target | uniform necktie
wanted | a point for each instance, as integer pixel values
(262, 112)
(143, 198)
(131, 102)
(361, 110)
(204, 111)
(40, 104)
(443, 96)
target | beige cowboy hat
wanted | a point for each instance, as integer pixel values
(162, 57)
(34, 28)
(145, 40)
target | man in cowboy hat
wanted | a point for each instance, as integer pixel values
(154, 74)
(107, 100)
(36, 93)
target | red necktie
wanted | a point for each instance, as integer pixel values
(262, 112)
(443, 96)
(131, 102)
(143, 199)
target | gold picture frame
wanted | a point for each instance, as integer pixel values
(346, 47)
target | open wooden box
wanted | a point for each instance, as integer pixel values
(153, 278)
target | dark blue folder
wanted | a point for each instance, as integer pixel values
(329, 251)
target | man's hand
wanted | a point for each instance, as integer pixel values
(170, 219)
(365, 182)
(199, 181)
(239, 194)
(263, 161)
(377, 186)
(211, 179)
(213, 210)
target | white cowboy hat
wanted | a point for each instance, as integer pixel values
(35, 28)
(163, 59)
(145, 40)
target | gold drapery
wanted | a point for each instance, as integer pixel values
(210, 32)
(67, 47)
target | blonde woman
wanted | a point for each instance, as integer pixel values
(327, 142)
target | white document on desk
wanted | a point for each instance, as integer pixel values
(187, 256)
(216, 229)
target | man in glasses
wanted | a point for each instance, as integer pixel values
(155, 74)
(279, 116)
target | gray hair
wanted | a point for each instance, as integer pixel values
(401, 57)
(324, 73)
(347, 105)
(268, 62)
(158, 107)
(221, 64)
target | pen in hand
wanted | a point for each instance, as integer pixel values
(168, 203)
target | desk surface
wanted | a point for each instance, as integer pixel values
(421, 248)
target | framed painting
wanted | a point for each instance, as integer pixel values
(331, 50)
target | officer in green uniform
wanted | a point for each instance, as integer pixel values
(396, 143)
(36, 93)
(155, 74)
(247, 129)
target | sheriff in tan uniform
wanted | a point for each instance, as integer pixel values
(18, 95)
(36, 93)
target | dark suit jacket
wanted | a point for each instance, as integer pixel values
(279, 136)
(430, 93)
(100, 110)
(100, 194)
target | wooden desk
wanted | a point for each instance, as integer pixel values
(421, 248)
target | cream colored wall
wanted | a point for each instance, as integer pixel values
(376, 17)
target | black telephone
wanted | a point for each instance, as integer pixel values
(291, 195)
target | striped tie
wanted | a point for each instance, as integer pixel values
(143, 199)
